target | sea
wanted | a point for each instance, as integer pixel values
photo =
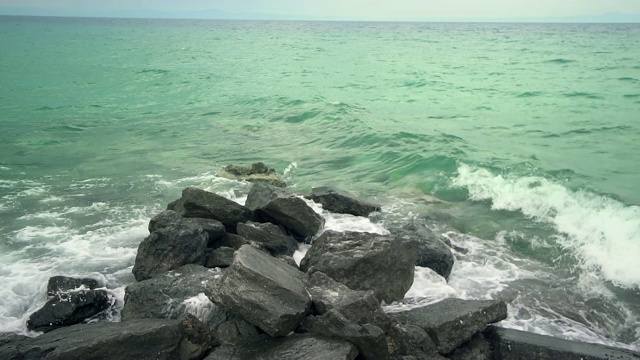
(517, 142)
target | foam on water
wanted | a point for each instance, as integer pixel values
(603, 233)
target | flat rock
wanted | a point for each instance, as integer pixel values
(294, 347)
(58, 284)
(383, 264)
(220, 257)
(199, 203)
(182, 339)
(269, 236)
(294, 214)
(452, 322)
(68, 308)
(264, 291)
(168, 218)
(338, 201)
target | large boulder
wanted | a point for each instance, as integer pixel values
(383, 264)
(59, 284)
(433, 253)
(182, 339)
(168, 218)
(294, 214)
(261, 194)
(220, 257)
(236, 331)
(68, 308)
(405, 340)
(256, 173)
(197, 203)
(169, 248)
(478, 348)
(174, 294)
(294, 347)
(264, 291)
(452, 322)
(269, 236)
(338, 201)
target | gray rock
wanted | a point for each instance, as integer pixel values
(169, 248)
(452, 322)
(236, 331)
(198, 203)
(512, 344)
(182, 339)
(432, 252)
(294, 214)
(410, 340)
(8, 338)
(269, 236)
(264, 291)
(58, 284)
(287, 260)
(338, 201)
(68, 308)
(294, 347)
(167, 296)
(230, 240)
(220, 257)
(476, 349)
(256, 173)
(261, 194)
(168, 218)
(383, 264)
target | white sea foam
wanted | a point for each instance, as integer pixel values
(603, 233)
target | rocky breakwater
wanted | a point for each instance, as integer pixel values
(216, 280)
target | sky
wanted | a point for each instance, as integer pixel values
(354, 9)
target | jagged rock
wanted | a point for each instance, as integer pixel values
(360, 307)
(409, 340)
(58, 284)
(264, 291)
(169, 248)
(168, 218)
(338, 201)
(510, 344)
(230, 240)
(261, 194)
(369, 339)
(364, 261)
(256, 173)
(198, 203)
(295, 215)
(174, 294)
(182, 339)
(432, 252)
(236, 331)
(68, 308)
(475, 349)
(269, 236)
(220, 257)
(293, 347)
(452, 322)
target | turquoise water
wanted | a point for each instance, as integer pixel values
(528, 133)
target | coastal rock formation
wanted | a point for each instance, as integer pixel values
(432, 252)
(68, 308)
(260, 195)
(57, 284)
(405, 340)
(197, 203)
(269, 236)
(364, 261)
(294, 214)
(255, 173)
(220, 257)
(214, 229)
(338, 201)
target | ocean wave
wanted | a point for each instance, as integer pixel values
(602, 233)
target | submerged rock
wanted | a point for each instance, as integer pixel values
(68, 308)
(338, 201)
(256, 173)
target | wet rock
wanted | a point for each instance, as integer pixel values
(236, 331)
(264, 291)
(269, 236)
(432, 252)
(68, 308)
(198, 203)
(294, 347)
(410, 340)
(383, 264)
(220, 257)
(475, 349)
(294, 214)
(230, 240)
(256, 173)
(452, 322)
(182, 339)
(261, 194)
(58, 284)
(168, 218)
(338, 201)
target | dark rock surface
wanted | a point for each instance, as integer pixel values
(256, 173)
(294, 347)
(230, 240)
(67, 309)
(432, 252)
(264, 291)
(509, 344)
(475, 349)
(295, 215)
(410, 340)
(261, 194)
(364, 261)
(236, 331)
(338, 201)
(220, 257)
(169, 248)
(452, 322)
(182, 339)
(198, 203)
(269, 236)
(168, 218)
(58, 284)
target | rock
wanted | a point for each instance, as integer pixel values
(236, 331)
(261, 194)
(369, 339)
(364, 261)
(168, 218)
(512, 344)
(360, 307)
(410, 340)
(452, 322)
(220, 257)
(476, 349)
(287, 260)
(256, 173)
(182, 339)
(269, 236)
(58, 284)
(174, 294)
(230, 240)
(432, 252)
(67, 309)
(293, 347)
(295, 215)
(169, 248)
(8, 338)
(198, 203)
(341, 202)
(264, 291)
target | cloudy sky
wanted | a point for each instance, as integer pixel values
(357, 9)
